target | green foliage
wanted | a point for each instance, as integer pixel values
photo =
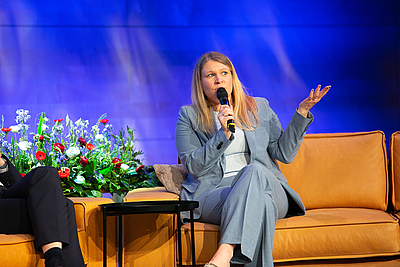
(89, 161)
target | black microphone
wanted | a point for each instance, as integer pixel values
(223, 99)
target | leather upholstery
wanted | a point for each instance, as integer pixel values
(343, 182)
(394, 153)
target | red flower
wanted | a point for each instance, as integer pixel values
(59, 147)
(22, 174)
(6, 129)
(83, 161)
(58, 120)
(117, 163)
(90, 146)
(40, 155)
(104, 121)
(41, 138)
(140, 167)
(64, 172)
(82, 141)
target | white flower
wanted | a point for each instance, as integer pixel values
(72, 152)
(24, 145)
(124, 166)
(95, 129)
(79, 179)
(14, 128)
(99, 137)
(45, 127)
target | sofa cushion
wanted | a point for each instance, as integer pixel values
(341, 170)
(336, 233)
(171, 176)
(394, 158)
(18, 250)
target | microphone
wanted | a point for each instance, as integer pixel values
(223, 99)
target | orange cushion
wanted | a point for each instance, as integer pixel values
(341, 170)
(394, 157)
(337, 233)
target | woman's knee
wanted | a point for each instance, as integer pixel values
(49, 174)
(256, 175)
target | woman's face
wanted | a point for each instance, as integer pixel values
(213, 76)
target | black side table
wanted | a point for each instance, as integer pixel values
(146, 207)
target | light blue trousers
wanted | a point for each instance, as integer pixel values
(247, 206)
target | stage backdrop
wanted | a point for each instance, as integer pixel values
(133, 60)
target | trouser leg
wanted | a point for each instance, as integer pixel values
(72, 254)
(247, 212)
(52, 215)
(46, 204)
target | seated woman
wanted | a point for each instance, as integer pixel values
(51, 215)
(235, 177)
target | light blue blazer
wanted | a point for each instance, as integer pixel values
(203, 154)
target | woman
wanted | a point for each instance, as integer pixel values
(49, 215)
(235, 177)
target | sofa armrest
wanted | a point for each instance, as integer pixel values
(394, 159)
(150, 194)
(89, 220)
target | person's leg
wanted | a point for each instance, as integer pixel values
(48, 208)
(211, 213)
(72, 254)
(250, 213)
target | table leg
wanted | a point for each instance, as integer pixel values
(192, 234)
(179, 222)
(104, 237)
(119, 222)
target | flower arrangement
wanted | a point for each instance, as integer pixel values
(89, 161)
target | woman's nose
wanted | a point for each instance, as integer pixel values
(218, 79)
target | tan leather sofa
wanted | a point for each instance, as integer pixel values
(343, 180)
(352, 218)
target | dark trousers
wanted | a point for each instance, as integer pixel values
(51, 215)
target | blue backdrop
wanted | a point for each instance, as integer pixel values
(133, 60)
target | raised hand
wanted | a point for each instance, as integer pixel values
(313, 98)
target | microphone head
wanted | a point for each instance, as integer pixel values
(222, 93)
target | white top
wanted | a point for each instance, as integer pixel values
(237, 154)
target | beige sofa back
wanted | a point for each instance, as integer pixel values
(341, 170)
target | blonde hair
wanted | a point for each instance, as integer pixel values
(241, 101)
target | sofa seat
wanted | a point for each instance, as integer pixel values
(320, 234)
(337, 233)
(23, 244)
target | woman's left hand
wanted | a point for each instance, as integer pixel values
(313, 98)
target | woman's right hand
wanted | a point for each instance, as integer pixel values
(2, 161)
(225, 113)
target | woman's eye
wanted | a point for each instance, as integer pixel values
(210, 75)
(224, 73)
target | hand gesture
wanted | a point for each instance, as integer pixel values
(313, 98)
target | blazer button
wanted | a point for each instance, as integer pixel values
(219, 145)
